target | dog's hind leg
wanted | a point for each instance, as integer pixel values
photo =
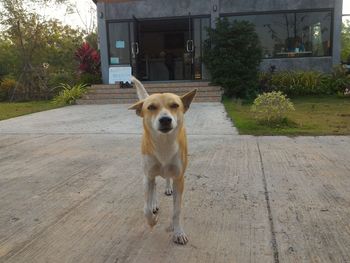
(179, 234)
(150, 188)
(168, 189)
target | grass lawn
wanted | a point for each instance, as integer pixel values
(10, 110)
(326, 115)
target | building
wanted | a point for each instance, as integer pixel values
(163, 39)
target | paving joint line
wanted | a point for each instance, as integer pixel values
(268, 205)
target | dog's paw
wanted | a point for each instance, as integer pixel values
(155, 208)
(154, 205)
(168, 191)
(152, 219)
(180, 238)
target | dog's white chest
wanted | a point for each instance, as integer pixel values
(164, 162)
(166, 153)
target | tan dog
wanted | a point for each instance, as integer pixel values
(164, 150)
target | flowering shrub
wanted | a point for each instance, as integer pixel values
(271, 107)
(89, 62)
(345, 94)
(340, 81)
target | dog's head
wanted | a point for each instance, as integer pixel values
(163, 113)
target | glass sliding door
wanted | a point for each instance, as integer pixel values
(196, 36)
(119, 43)
(189, 50)
(200, 34)
(197, 63)
(135, 47)
(160, 49)
(205, 24)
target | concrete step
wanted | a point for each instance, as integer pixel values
(162, 84)
(130, 101)
(151, 90)
(176, 84)
(113, 94)
(92, 95)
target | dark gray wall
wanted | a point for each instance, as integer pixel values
(157, 8)
(323, 64)
(166, 8)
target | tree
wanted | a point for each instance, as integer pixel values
(91, 38)
(35, 40)
(232, 55)
(61, 43)
(88, 20)
(8, 58)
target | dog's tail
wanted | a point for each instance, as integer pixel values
(140, 89)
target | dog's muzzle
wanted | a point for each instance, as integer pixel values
(165, 124)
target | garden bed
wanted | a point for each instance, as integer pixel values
(313, 115)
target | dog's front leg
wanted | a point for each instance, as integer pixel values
(150, 188)
(179, 234)
(168, 189)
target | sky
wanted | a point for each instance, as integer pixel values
(83, 16)
(346, 7)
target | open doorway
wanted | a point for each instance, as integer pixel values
(165, 50)
(159, 50)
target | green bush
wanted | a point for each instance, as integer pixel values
(7, 85)
(69, 94)
(339, 81)
(232, 55)
(271, 107)
(89, 79)
(56, 78)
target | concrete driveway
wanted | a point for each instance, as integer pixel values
(71, 191)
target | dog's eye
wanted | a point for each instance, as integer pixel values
(174, 106)
(152, 107)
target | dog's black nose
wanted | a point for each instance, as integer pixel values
(165, 121)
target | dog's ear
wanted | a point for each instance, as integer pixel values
(187, 99)
(138, 107)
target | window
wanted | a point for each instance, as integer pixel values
(296, 34)
(313, 32)
(119, 46)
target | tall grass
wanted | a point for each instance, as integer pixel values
(296, 83)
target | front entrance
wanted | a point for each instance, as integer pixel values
(166, 50)
(160, 49)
